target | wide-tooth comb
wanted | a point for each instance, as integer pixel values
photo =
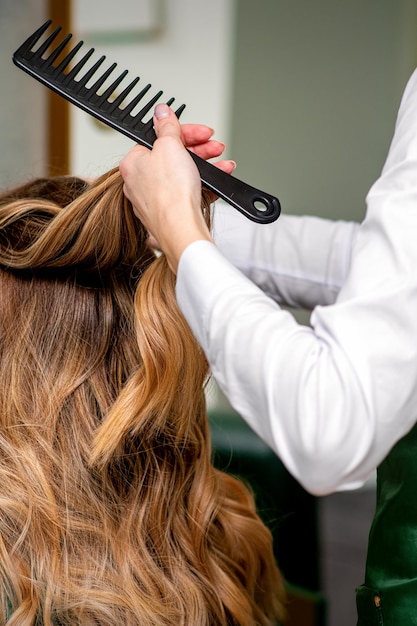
(71, 83)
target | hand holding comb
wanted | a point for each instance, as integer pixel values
(37, 58)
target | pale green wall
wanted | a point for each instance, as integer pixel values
(316, 87)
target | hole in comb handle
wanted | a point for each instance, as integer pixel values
(260, 205)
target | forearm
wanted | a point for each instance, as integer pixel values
(297, 261)
(332, 399)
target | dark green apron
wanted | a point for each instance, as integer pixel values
(389, 595)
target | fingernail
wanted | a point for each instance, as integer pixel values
(161, 110)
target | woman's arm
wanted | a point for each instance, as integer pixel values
(331, 399)
(297, 261)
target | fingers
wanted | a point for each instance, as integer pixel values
(196, 137)
(128, 165)
(195, 134)
(209, 150)
(166, 123)
(226, 166)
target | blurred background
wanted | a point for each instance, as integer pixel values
(305, 94)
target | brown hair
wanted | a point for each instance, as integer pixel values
(111, 511)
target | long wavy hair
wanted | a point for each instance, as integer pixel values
(111, 512)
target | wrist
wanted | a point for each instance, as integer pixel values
(175, 240)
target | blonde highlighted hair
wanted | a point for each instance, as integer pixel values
(111, 511)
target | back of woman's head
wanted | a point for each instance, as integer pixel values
(111, 511)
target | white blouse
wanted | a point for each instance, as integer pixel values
(332, 399)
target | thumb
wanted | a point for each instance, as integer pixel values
(166, 122)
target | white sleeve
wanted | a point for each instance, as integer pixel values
(332, 399)
(297, 261)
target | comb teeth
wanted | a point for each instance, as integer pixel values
(123, 113)
(67, 60)
(122, 96)
(40, 51)
(256, 205)
(108, 106)
(77, 67)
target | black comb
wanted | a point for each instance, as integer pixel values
(116, 112)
